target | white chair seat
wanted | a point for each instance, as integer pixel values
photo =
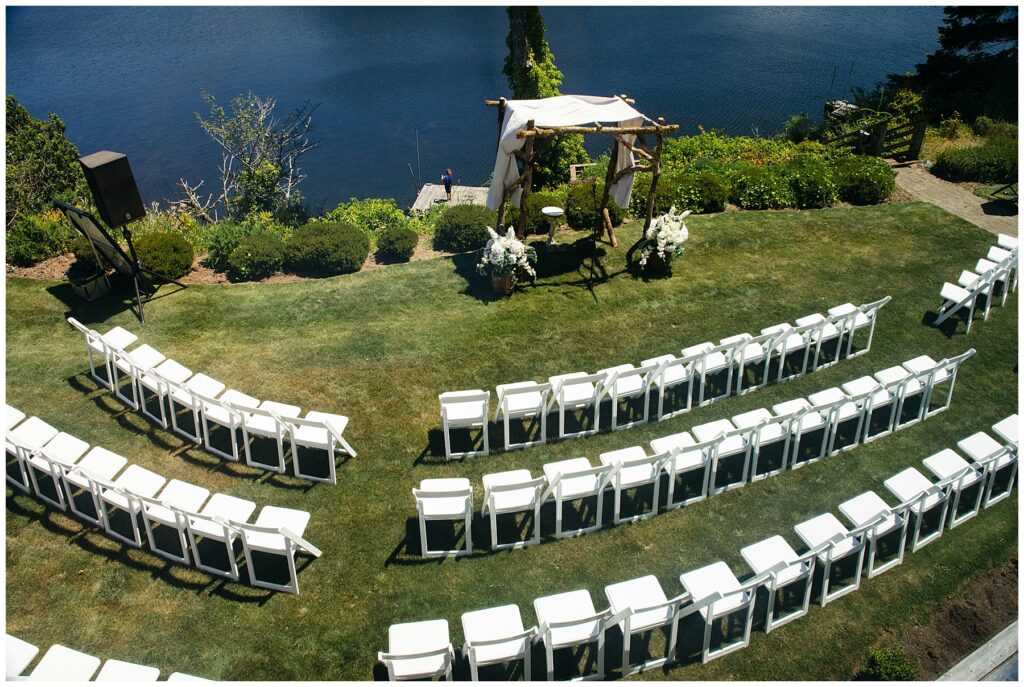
(511, 499)
(946, 463)
(859, 320)
(17, 655)
(791, 341)
(751, 353)
(463, 411)
(220, 414)
(272, 516)
(967, 279)
(521, 403)
(897, 373)
(33, 433)
(827, 332)
(820, 529)
(14, 416)
(811, 421)
(910, 484)
(204, 385)
(864, 508)
(632, 475)
(180, 495)
(832, 395)
(768, 553)
(492, 624)
(119, 338)
(577, 393)
(65, 449)
(640, 593)
(418, 638)
(136, 480)
(1007, 428)
(709, 430)
(61, 664)
(767, 433)
(671, 375)
(671, 442)
(98, 462)
(144, 357)
(980, 446)
(925, 362)
(572, 487)
(122, 671)
(567, 607)
(704, 582)
(319, 437)
(864, 385)
(952, 292)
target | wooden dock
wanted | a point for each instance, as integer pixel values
(430, 194)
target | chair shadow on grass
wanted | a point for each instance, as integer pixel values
(1000, 207)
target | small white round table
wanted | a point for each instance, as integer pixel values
(552, 213)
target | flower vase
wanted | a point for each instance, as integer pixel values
(502, 284)
(659, 265)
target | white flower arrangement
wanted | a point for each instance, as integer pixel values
(665, 237)
(507, 255)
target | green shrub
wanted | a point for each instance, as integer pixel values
(320, 249)
(992, 128)
(994, 162)
(716, 145)
(864, 180)
(83, 251)
(167, 253)
(700, 192)
(763, 188)
(372, 215)
(797, 128)
(223, 237)
(157, 221)
(813, 184)
(33, 238)
(582, 204)
(952, 127)
(536, 221)
(397, 243)
(463, 227)
(664, 196)
(256, 257)
(887, 665)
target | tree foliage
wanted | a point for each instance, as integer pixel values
(42, 164)
(531, 71)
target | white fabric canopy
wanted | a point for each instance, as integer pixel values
(562, 110)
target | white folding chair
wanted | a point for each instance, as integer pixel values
(121, 497)
(1009, 256)
(276, 535)
(98, 463)
(515, 491)
(789, 345)
(170, 510)
(670, 373)
(685, 456)
(1000, 275)
(933, 374)
(804, 421)
(924, 498)
(569, 620)
(27, 437)
(732, 445)
(573, 480)
(728, 596)
(464, 410)
(908, 390)
(572, 392)
(822, 332)
(706, 359)
(317, 431)
(104, 345)
(17, 655)
(264, 422)
(768, 433)
(61, 664)
(215, 528)
(625, 383)
(418, 650)
(49, 461)
(994, 457)
(496, 635)
(748, 356)
(632, 468)
(834, 544)
(983, 284)
(1007, 430)
(522, 401)
(644, 608)
(187, 395)
(123, 671)
(852, 319)
(156, 381)
(220, 412)
(877, 404)
(785, 568)
(954, 299)
(133, 364)
(839, 412)
(447, 499)
(868, 509)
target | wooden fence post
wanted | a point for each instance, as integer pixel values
(877, 140)
(917, 140)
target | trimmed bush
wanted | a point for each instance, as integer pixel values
(256, 257)
(33, 238)
(536, 221)
(664, 197)
(463, 227)
(763, 188)
(397, 243)
(165, 252)
(223, 237)
(995, 162)
(864, 180)
(701, 192)
(371, 215)
(582, 204)
(324, 249)
(993, 128)
(887, 665)
(813, 184)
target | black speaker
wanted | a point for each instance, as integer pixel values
(113, 187)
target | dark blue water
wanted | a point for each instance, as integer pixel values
(128, 79)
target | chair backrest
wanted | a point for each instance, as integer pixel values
(422, 495)
(602, 472)
(180, 516)
(952, 365)
(558, 387)
(543, 388)
(766, 341)
(537, 484)
(292, 539)
(245, 411)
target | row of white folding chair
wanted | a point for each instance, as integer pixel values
(64, 471)
(745, 439)
(497, 635)
(210, 402)
(60, 663)
(997, 269)
(733, 356)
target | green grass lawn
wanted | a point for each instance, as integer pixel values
(379, 346)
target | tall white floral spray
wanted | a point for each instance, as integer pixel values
(665, 237)
(506, 255)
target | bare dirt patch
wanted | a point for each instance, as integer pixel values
(967, 619)
(51, 268)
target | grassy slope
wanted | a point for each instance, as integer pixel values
(379, 346)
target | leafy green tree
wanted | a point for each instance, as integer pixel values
(42, 164)
(531, 71)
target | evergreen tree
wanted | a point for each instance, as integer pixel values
(531, 71)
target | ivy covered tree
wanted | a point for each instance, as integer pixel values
(531, 71)
(42, 164)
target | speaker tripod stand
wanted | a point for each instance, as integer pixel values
(142, 285)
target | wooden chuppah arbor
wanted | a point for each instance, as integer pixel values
(537, 136)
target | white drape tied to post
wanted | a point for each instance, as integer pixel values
(563, 110)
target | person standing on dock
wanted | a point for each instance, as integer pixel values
(446, 179)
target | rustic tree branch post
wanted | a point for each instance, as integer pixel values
(655, 176)
(603, 216)
(529, 160)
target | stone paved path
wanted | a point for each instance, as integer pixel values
(958, 201)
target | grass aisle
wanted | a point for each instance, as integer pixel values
(379, 347)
